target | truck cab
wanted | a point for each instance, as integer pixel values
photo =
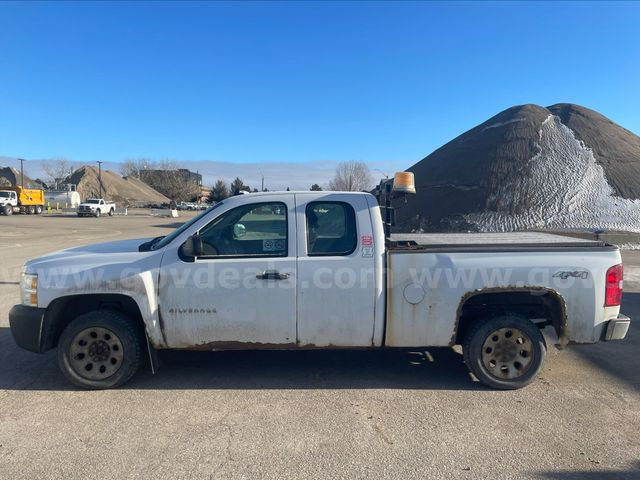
(8, 199)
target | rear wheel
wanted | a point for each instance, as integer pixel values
(39, 209)
(505, 352)
(100, 349)
(111, 212)
(31, 209)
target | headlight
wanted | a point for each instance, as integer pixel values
(29, 289)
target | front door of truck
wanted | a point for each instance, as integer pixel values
(241, 293)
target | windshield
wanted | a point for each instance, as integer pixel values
(93, 200)
(164, 241)
(5, 194)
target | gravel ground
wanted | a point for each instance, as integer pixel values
(309, 414)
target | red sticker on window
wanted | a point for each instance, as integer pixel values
(366, 240)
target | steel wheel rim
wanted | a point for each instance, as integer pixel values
(507, 353)
(96, 353)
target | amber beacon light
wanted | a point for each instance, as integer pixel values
(403, 182)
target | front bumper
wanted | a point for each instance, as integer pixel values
(26, 326)
(617, 329)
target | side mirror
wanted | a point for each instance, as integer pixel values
(191, 249)
(239, 230)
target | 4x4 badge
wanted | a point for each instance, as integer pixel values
(577, 274)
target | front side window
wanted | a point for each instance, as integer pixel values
(248, 231)
(331, 228)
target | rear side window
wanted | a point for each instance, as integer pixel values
(331, 228)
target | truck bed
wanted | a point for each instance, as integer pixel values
(490, 241)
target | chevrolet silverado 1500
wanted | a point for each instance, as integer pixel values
(315, 270)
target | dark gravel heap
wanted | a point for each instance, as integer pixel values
(458, 177)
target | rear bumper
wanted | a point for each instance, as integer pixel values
(616, 329)
(26, 327)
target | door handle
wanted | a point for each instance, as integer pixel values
(272, 275)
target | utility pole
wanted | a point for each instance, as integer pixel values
(262, 175)
(100, 176)
(22, 160)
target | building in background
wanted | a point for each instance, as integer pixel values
(180, 185)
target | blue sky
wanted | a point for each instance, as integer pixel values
(306, 83)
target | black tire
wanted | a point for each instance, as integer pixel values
(7, 210)
(111, 212)
(117, 347)
(38, 209)
(31, 209)
(98, 212)
(80, 215)
(506, 352)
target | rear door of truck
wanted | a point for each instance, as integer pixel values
(336, 271)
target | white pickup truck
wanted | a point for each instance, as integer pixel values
(313, 270)
(94, 207)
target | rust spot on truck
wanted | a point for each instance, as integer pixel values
(559, 321)
(235, 345)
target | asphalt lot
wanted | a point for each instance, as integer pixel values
(309, 414)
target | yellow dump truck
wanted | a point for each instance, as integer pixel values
(21, 200)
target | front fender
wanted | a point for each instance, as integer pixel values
(134, 275)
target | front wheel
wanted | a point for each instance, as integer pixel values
(8, 210)
(505, 352)
(97, 214)
(100, 349)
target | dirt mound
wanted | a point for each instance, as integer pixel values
(125, 191)
(10, 176)
(528, 167)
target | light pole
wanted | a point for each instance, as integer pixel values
(100, 176)
(261, 175)
(22, 160)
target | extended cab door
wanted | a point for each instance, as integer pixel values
(336, 271)
(241, 293)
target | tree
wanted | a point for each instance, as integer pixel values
(132, 167)
(58, 170)
(219, 191)
(238, 186)
(351, 176)
(316, 188)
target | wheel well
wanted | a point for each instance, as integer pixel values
(63, 310)
(542, 306)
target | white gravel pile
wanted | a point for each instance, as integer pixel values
(564, 188)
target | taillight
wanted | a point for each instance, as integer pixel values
(613, 290)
